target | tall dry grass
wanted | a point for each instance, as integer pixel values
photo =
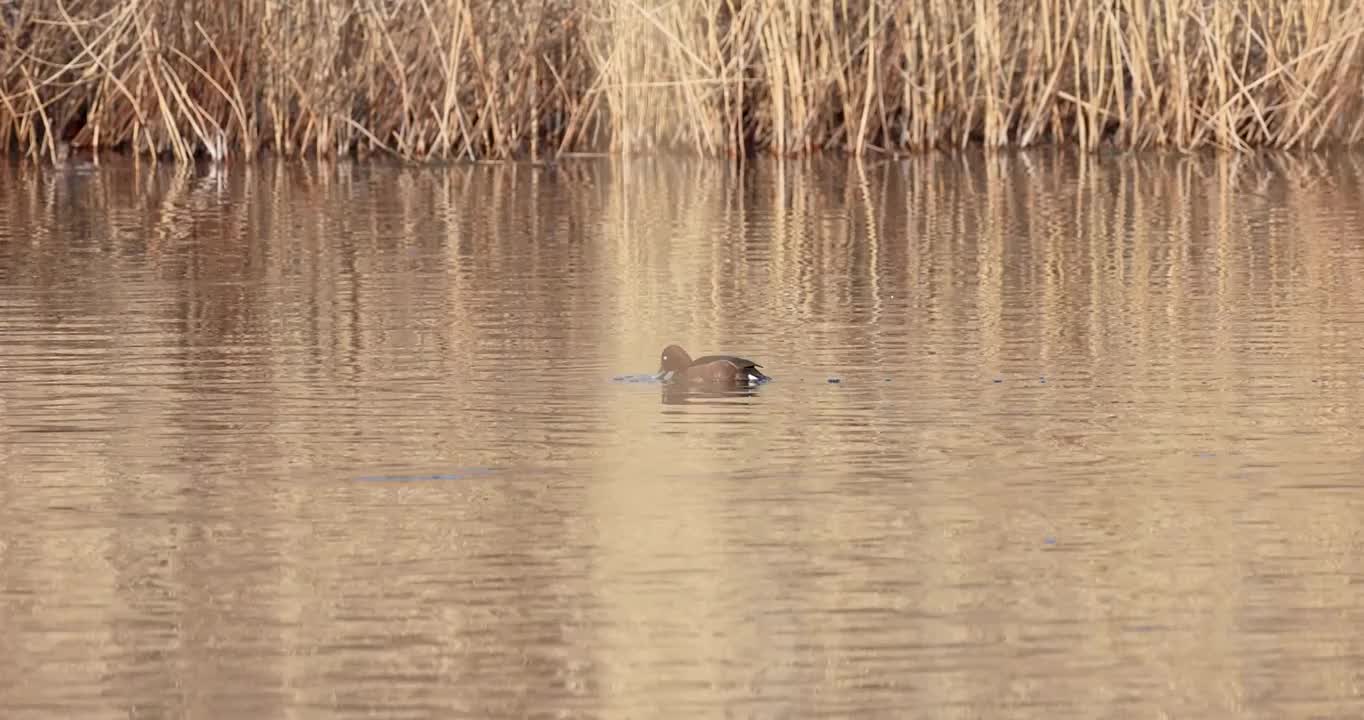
(448, 79)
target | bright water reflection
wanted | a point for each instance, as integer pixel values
(292, 441)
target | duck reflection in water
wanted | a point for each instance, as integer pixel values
(677, 394)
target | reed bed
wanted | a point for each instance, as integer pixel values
(485, 79)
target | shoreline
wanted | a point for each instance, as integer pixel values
(67, 156)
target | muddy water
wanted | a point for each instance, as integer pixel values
(1048, 436)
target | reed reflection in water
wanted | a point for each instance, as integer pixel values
(342, 440)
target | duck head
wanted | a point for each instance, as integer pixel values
(673, 360)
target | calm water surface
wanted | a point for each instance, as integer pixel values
(295, 441)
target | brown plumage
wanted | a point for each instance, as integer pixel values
(675, 365)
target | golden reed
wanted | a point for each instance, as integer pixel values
(501, 79)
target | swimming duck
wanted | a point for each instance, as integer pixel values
(675, 365)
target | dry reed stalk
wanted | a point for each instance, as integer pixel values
(458, 79)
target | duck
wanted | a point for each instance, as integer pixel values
(675, 365)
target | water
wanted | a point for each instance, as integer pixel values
(1048, 436)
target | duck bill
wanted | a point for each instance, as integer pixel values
(664, 375)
